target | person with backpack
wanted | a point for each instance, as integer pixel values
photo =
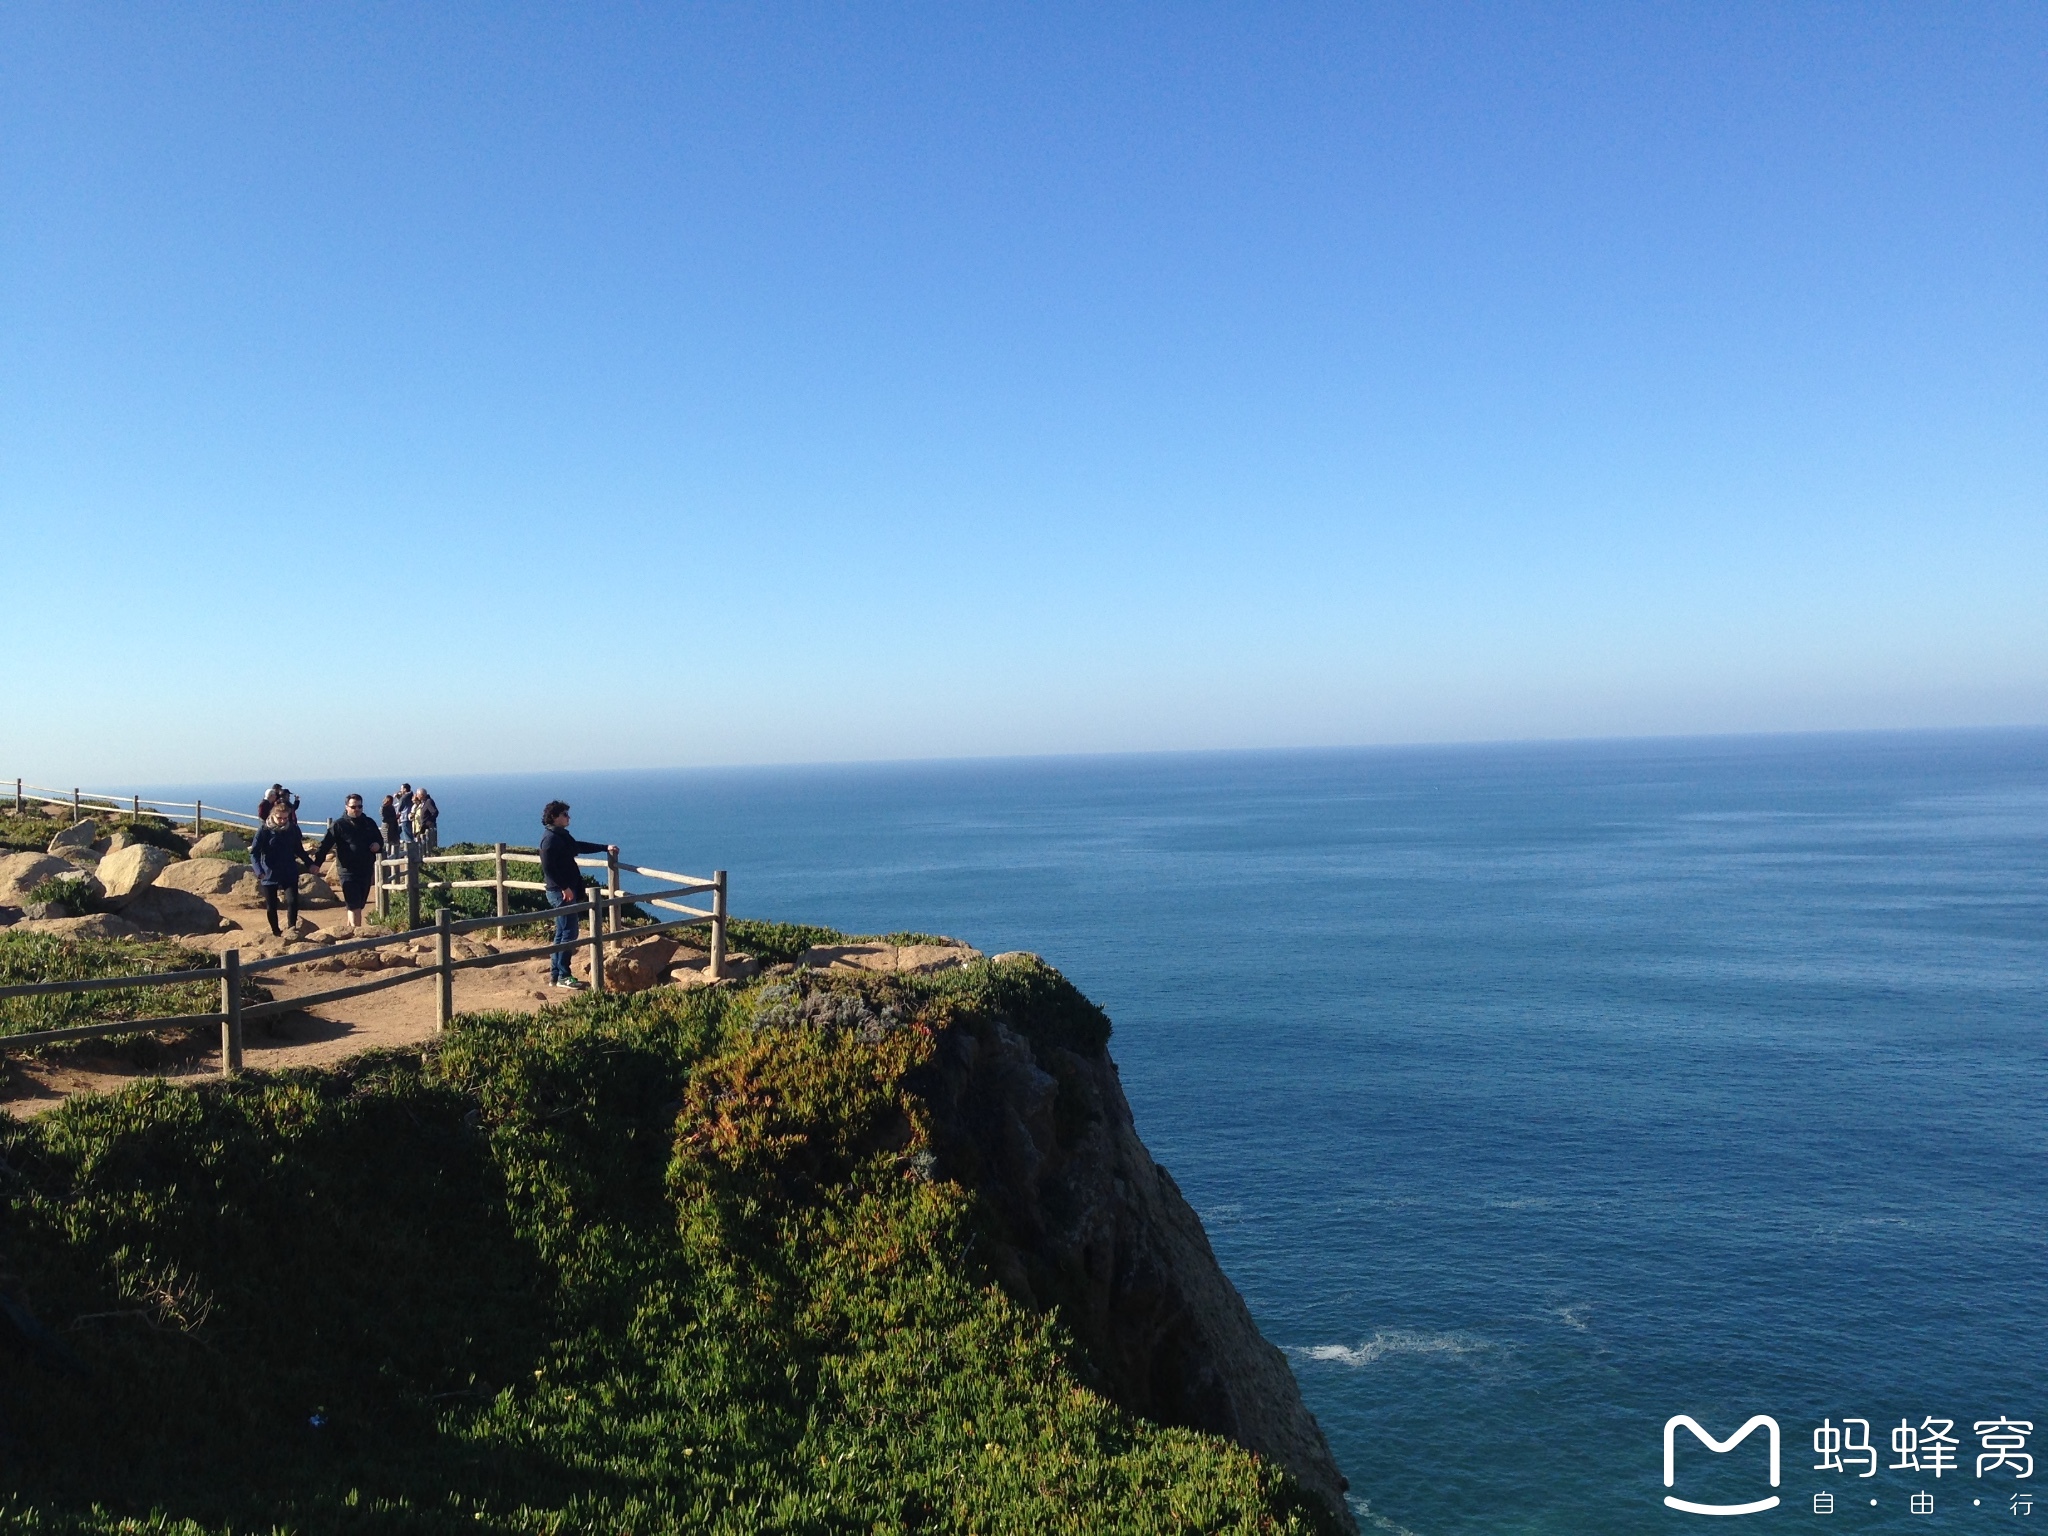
(278, 856)
(357, 843)
(564, 882)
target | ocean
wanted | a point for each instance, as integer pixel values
(1532, 1095)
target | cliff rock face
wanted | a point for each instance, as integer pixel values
(1084, 1220)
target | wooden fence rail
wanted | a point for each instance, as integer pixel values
(84, 801)
(603, 906)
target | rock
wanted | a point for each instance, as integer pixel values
(636, 967)
(86, 859)
(315, 892)
(889, 958)
(83, 835)
(43, 911)
(129, 872)
(214, 844)
(1015, 957)
(1081, 1219)
(21, 873)
(167, 910)
(94, 925)
(687, 969)
(213, 879)
(9, 916)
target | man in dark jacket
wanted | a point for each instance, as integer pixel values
(357, 842)
(564, 881)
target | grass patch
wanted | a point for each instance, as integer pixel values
(32, 957)
(74, 890)
(669, 1263)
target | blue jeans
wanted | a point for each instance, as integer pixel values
(565, 933)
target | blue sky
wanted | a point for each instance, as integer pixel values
(442, 389)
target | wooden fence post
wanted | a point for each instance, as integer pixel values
(77, 815)
(136, 801)
(231, 1005)
(611, 881)
(501, 891)
(19, 804)
(716, 969)
(412, 886)
(596, 939)
(444, 959)
(197, 807)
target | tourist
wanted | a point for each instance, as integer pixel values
(426, 820)
(278, 795)
(389, 812)
(404, 809)
(278, 855)
(356, 843)
(564, 882)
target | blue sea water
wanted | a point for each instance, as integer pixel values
(1531, 1095)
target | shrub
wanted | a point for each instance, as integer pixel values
(73, 890)
(671, 1263)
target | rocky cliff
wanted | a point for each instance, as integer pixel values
(1081, 1219)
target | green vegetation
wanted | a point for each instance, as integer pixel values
(31, 831)
(32, 957)
(676, 1262)
(72, 890)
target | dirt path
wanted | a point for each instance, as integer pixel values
(329, 1032)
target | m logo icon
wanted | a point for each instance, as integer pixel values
(1671, 1462)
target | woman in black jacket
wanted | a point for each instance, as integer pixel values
(278, 855)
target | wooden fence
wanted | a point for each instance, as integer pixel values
(85, 802)
(602, 906)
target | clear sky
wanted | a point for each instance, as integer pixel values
(442, 388)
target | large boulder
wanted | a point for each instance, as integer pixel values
(83, 835)
(213, 879)
(94, 925)
(214, 844)
(127, 872)
(164, 910)
(636, 967)
(315, 892)
(21, 873)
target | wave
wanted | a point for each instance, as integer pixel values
(1361, 1510)
(1386, 1342)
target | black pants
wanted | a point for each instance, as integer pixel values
(291, 905)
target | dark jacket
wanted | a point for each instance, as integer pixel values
(278, 854)
(558, 852)
(356, 839)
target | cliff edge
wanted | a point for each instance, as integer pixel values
(1081, 1219)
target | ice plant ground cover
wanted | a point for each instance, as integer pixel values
(673, 1262)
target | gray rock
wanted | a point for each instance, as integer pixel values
(214, 879)
(127, 873)
(84, 835)
(43, 911)
(94, 925)
(214, 844)
(172, 911)
(21, 873)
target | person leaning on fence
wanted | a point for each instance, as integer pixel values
(357, 843)
(564, 882)
(277, 856)
(403, 805)
(389, 812)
